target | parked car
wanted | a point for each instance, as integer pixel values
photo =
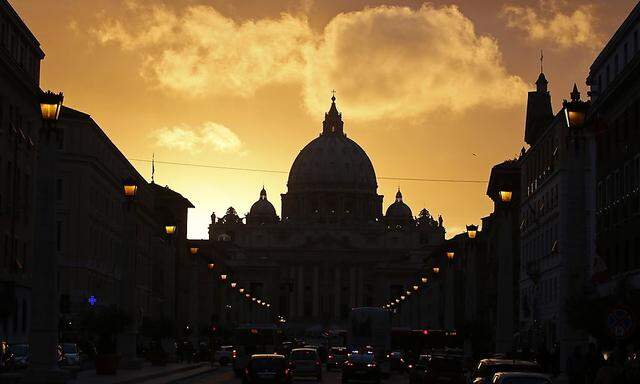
(431, 369)
(69, 355)
(305, 362)
(337, 357)
(361, 366)
(397, 361)
(267, 368)
(225, 354)
(483, 374)
(19, 356)
(520, 378)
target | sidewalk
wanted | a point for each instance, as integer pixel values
(159, 375)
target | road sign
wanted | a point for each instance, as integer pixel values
(620, 322)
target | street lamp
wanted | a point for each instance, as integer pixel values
(241, 290)
(450, 255)
(211, 265)
(130, 189)
(408, 293)
(247, 295)
(415, 287)
(170, 229)
(402, 297)
(253, 299)
(424, 279)
(234, 284)
(194, 250)
(472, 231)
(50, 105)
(223, 277)
(436, 270)
(397, 300)
(505, 196)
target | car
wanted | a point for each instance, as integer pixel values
(361, 366)
(431, 369)
(69, 355)
(486, 368)
(225, 354)
(19, 356)
(520, 378)
(305, 362)
(267, 368)
(337, 357)
(397, 361)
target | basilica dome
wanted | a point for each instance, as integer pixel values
(399, 211)
(262, 210)
(332, 162)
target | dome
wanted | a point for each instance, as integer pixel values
(332, 162)
(399, 210)
(262, 210)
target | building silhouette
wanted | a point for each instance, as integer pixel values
(332, 249)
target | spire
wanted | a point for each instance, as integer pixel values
(263, 194)
(153, 167)
(399, 196)
(541, 83)
(333, 119)
(575, 94)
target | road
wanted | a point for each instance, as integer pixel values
(226, 376)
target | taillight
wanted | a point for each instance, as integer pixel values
(234, 354)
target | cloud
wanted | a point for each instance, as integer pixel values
(389, 62)
(385, 62)
(551, 24)
(194, 139)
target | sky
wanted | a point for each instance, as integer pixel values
(432, 90)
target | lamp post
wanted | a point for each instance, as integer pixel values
(472, 231)
(43, 337)
(127, 340)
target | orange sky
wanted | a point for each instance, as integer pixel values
(422, 86)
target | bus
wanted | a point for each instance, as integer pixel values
(250, 339)
(369, 327)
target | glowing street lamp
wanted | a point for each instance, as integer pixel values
(194, 250)
(241, 290)
(402, 297)
(211, 265)
(436, 270)
(170, 229)
(424, 280)
(505, 196)
(450, 255)
(415, 287)
(247, 295)
(408, 293)
(253, 299)
(223, 277)
(129, 189)
(397, 300)
(50, 105)
(234, 284)
(472, 231)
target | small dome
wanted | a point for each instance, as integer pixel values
(399, 210)
(262, 210)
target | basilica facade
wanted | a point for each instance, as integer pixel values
(332, 248)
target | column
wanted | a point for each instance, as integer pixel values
(316, 292)
(360, 292)
(300, 286)
(337, 293)
(352, 287)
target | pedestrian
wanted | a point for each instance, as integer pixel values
(594, 361)
(576, 366)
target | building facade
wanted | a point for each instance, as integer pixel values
(332, 249)
(20, 120)
(557, 222)
(614, 80)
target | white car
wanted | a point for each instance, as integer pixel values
(520, 378)
(225, 354)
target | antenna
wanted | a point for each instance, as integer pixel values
(541, 58)
(153, 166)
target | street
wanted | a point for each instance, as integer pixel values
(225, 375)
